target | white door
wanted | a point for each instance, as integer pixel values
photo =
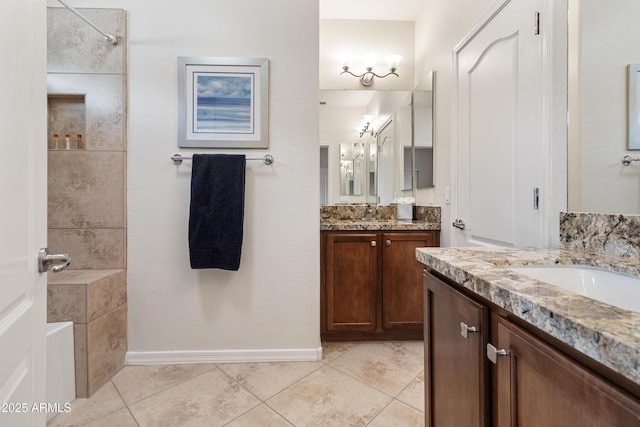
(500, 163)
(23, 210)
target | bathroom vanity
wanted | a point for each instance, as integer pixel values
(505, 349)
(371, 283)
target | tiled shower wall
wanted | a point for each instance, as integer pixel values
(86, 87)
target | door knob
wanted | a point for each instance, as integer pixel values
(58, 261)
(458, 223)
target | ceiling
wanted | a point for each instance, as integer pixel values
(388, 10)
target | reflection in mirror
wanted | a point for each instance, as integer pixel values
(385, 163)
(424, 167)
(324, 175)
(423, 98)
(379, 125)
(603, 40)
(352, 169)
(407, 165)
(373, 161)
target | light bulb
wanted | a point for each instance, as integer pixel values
(369, 60)
(345, 60)
(393, 61)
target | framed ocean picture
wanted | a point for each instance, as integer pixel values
(223, 102)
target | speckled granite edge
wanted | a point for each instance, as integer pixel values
(357, 213)
(607, 334)
(364, 217)
(378, 225)
(610, 234)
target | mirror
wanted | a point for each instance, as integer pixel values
(602, 42)
(352, 169)
(423, 131)
(386, 145)
(367, 137)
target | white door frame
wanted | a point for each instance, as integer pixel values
(554, 32)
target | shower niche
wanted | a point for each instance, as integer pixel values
(66, 116)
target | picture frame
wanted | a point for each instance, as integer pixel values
(633, 107)
(223, 102)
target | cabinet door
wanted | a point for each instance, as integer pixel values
(402, 306)
(539, 386)
(351, 273)
(456, 378)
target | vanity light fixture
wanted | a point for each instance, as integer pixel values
(369, 60)
(365, 125)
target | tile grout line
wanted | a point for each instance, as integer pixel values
(262, 402)
(126, 405)
(405, 387)
(381, 411)
(245, 389)
(159, 391)
(374, 387)
(363, 382)
(324, 365)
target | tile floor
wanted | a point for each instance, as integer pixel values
(356, 384)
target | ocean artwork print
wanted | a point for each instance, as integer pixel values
(224, 103)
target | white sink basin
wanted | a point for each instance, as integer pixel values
(612, 288)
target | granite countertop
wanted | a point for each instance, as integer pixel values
(607, 334)
(372, 225)
(373, 218)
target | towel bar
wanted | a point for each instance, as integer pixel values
(177, 159)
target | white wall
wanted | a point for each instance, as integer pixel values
(604, 40)
(273, 301)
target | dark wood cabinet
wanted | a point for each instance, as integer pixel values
(538, 385)
(455, 337)
(371, 284)
(401, 280)
(534, 381)
(351, 273)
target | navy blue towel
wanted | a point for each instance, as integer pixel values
(216, 215)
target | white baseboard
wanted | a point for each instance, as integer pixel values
(223, 356)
